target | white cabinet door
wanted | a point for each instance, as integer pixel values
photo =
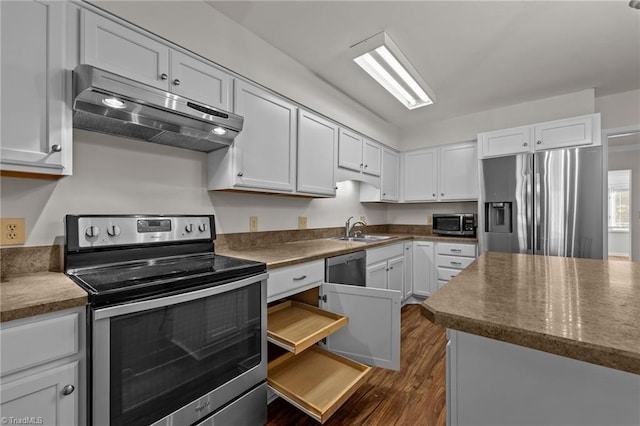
(424, 268)
(266, 148)
(200, 81)
(113, 47)
(459, 172)
(350, 150)
(377, 275)
(372, 336)
(421, 175)
(395, 274)
(564, 133)
(35, 127)
(41, 397)
(317, 139)
(505, 142)
(371, 157)
(408, 270)
(390, 175)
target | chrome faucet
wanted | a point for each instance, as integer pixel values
(348, 226)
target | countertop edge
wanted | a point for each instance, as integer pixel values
(42, 308)
(594, 354)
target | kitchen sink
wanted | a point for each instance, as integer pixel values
(364, 238)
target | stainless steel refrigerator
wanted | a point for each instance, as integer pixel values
(547, 203)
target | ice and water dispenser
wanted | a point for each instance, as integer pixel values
(498, 218)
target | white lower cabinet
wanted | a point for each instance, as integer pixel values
(385, 267)
(360, 327)
(424, 271)
(42, 369)
(408, 270)
(452, 258)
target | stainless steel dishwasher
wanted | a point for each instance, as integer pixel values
(347, 269)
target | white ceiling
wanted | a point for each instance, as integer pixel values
(475, 55)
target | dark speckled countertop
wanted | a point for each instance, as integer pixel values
(585, 309)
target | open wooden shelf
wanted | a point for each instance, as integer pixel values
(316, 381)
(296, 326)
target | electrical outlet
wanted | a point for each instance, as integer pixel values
(302, 222)
(13, 231)
(253, 223)
(362, 219)
(429, 219)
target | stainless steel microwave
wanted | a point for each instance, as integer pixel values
(460, 224)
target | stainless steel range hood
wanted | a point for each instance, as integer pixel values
(109, 103)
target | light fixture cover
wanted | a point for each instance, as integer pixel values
(381, 58)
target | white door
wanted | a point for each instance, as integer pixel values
(317, 139)
(120, 50)
(200, 81)
(395, 275)
(266, 148)
(371, 157)
(350, 150)
(33, 130)
(42, 396)
(372, 336)
(459, 172)
(421, 175)
(424, 268)
(377, 275)
(390, 175)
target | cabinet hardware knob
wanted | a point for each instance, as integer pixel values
(240, 174)
(68, 390)
(442, 193)
(455, 263)
(163, 76)
(56, 148)
(433, 195)
(391, 268)
(366, 165)
(384, 193)
(335, 187)
(539, 142)
(176, 82)
(361, 164)
(299, 278)
(387, 269)
(525, 144)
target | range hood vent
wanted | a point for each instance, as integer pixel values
(108, 103)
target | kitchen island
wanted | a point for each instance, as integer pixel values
(541, 340)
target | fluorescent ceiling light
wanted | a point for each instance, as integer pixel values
(382, 59)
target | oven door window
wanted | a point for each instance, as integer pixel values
(451, 223)
(164, 358)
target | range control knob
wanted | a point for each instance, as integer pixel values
(202, 227)
(92, 231)
(189, 228)
(113, 231)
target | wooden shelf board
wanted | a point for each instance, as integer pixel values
(296, 326)
(316, 381)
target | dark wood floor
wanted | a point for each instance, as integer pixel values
(415, 395)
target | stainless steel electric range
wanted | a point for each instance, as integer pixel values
(177, 333)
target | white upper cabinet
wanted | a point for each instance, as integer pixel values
(420, 175)
(358, 153)
(35, 124)
(371, 157)
(114, 47)
(262, 156)
(458, 172)
(317, 141)
(445, 173)
(390, 182)
(576, 131)
(350, 150)
(200, 81)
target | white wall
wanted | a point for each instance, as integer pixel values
(208, 33)
(467, 127)
(124, 176)
(619, 110)
(416, 214)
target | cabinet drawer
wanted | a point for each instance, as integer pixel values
(38, 342)
(455, 262)
(316, 381)
(286, 281)
(295, 326)
(384, 253)
(445, 274)
(457, 249)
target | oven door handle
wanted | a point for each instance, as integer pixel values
(129, 308)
